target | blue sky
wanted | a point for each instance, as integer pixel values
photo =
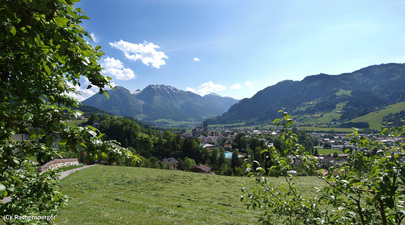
(237, 48)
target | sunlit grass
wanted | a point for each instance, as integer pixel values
(330, 129)
(128, 195)
(375, 118)
(329, 151)
(75, 122)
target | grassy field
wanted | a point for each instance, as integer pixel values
(75, 122)
(127, 195)
(375, 118)
(323, 118)
(329, 151)
(329, 129)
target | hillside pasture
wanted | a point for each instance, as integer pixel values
(326, 151)
(322, 118)
(128, 195)
(375, 118)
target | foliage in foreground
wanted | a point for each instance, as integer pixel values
(363, 190)
(43, 56)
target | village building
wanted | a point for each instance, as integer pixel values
(200, 168)
(172, 162)
(200, 130)
(208, 146)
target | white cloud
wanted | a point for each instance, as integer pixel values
(113, 84)
(196, 59)
(146, 52)
(249, 84)
(114, 67)
(191, 89)
(83, 93)
(207, 88)
(236, 86)
(94, 37)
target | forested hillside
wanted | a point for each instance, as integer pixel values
(348, 96)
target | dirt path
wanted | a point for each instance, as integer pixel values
(68, 172)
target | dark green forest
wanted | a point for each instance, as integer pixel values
(395, 119)
(153, 144)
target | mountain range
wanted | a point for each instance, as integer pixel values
(336, 98)
(316, 99)
(161, 105)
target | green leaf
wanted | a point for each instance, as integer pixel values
(28, 116)
(47, 69)
(32, 134)
(91, 128)
(383, 187)
(3, 190)
(13, 31)
(260, 169)
(61, 21)
(84, 17)
(76, 113)
(100, 135)
(92, 133)
(389, 202)
(62, 142)
(106, 94)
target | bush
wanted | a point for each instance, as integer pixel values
(364, 190)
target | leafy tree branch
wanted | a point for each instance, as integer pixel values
(367, 189)
(44, 53)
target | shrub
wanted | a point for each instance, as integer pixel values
(364, 190)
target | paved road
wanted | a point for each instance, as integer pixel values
(62, 175)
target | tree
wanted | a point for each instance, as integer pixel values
(188, 163)
(213, 158)
(235, 161)
(222, 157)
(43, 56)
(364, 190)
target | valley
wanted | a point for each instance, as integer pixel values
(127, 104)
(318, 101)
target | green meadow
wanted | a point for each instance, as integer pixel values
(326, 151)
(75, 122)
(375, 118)
(131, 195)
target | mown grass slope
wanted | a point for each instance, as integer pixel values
(128, 195)
(375, 118)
